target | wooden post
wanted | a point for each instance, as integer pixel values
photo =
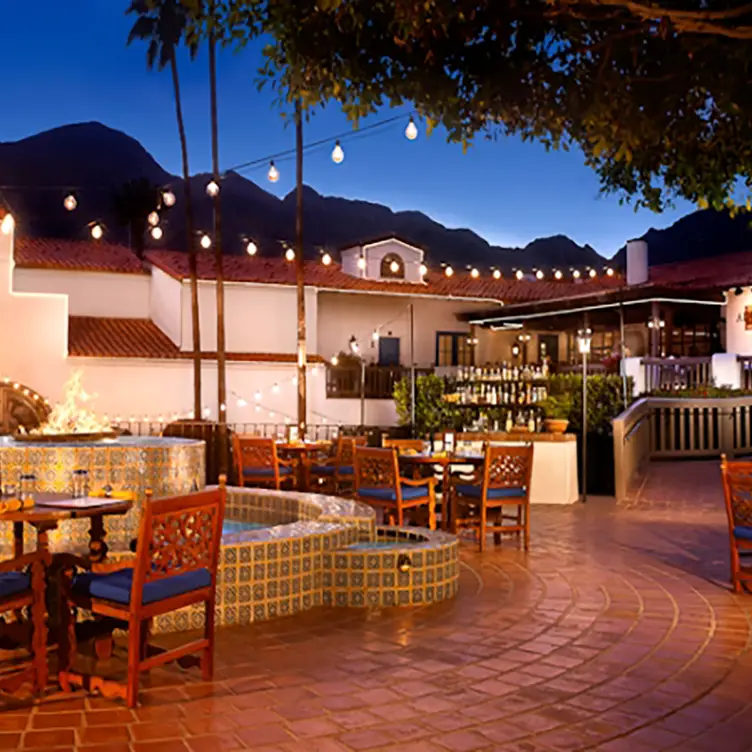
(300, 272)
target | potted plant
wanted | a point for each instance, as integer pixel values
(557, 409)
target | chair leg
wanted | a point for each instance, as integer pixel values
(400, 516)
(432, 513)
(39, 633)
(482, 527)
(207, 657)
(735, 581)
(498, 521)
(526, 515)
(134, 659)
(145, 634)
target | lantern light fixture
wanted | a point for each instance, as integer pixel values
(584, 338)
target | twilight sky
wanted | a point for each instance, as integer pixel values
(66, 62)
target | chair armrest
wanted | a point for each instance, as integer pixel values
(419, 482)
(286, 463)
(20, 562)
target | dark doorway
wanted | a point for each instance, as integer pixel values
(548, 347)
(389, 351)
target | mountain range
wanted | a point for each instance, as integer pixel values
(94, 160)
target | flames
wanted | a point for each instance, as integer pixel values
(71, 416)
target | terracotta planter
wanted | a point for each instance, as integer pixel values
(556, 425)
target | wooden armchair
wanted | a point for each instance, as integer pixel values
(378, 483)
(737, 492)
(175, 566)
(338, 470)
(22, 586)
(502, 481)
(258, 464)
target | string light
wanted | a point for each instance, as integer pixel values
(251, 249)
(558, 274)
(69, 202)
(326, 259)
(290, 254)
(375, 335)
(361, 263)
(423, 269)
(576, 273)
(273, 173)
(338, 153)
(275, 389)
(153, 218)
(593, 273)
(335, 360)
(7, 225)
(474, 273)
(156, 233)
(168, 198)
(257, 396)
(241, 402)
(212, 188)
(411, 132)
(96, 231)
(539, 274)
(519, 274)
(205, 241)
(609, 272)
(496, 274)
(449, 271)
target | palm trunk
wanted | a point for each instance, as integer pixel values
(221, 382)
(192, 250)
(300, 270)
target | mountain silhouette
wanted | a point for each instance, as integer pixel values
(94, 161)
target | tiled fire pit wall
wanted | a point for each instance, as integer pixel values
(295, 564)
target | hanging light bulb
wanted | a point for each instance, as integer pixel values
(519, 274)
(273, 173)
(593, 274)
(496, 274)
(539, 274)
(241, 402)
(394, 267)
(326, 259)
(69, 202)
(257, 396)
(361, 263)
(290, 254)
(338, 153)
(412, 130)
(156, 233)
(335, 360)
(423, 269)
(558, 274)
(275, 388)
(474, 273)
(449, 271)
(8, 224)
(96, 231)
(576, 273)
(153, 218)
(205, 241)
(251, 248)
(609, 272)
(212, 188)
(375, 335)
(168, 198)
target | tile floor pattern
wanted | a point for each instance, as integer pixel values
(617, 632)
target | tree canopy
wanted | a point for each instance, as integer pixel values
(653, 93)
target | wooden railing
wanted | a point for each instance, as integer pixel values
(662, 428)
(593, 368)
(677, 373)
(344, 382)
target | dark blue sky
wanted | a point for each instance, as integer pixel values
(66, 62)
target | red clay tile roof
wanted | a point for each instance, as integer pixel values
(94, 337)
(461, 285)
(75, 255)
(722, 272)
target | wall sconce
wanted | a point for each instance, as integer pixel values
(515, 351)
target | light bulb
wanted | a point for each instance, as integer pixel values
(335, 360)
(423, 269)
(338, 153)
(375, 335)
(69, 202)
(206, 412)
(290, 254)
(558, 274)
(241, 402)
(251, 249)
(519, 274)
(496, 274)
(394, 267)
(205, 241)
(168, 198)
(8, 224)
(593, 273)
(412, 130)
(257, 396)
(474, 273)
(156, 233)
(273, 173)
(153, 218)
(361, 263)
(257, 408)
(539, 274)
(97, 231)
(576, 273)
(212, 188)
(609, 272)
(275, 388)
(449, 271)
(326, 259)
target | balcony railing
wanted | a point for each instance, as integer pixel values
(344, 382)
(677, 373)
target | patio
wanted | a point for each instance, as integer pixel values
(617, 631)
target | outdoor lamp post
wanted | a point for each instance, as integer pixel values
(355, 350)
(584, 337)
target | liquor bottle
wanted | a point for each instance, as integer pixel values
(531, 423)
(509, 424)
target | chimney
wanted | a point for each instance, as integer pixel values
(637, 262)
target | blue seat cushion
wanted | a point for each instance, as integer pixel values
(409, 493)
(265, 472)
(116, 586)
(743, 532)
(467, 489)
(12, 583)
(329, 469)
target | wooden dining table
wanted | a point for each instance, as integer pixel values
(301, 454)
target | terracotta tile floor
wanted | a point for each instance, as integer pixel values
(616, 632)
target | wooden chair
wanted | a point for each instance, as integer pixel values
(737, 492)
(175, 566)
(378, 483)
(502, 481)
(338, 470)
(415, 445)
(22, 586)
(257, 462)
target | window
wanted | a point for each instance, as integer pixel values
(453, 349)
(691, 341)
(602, 346)
(392, 267)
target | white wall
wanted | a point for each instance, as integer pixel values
(343, 315)
(90, 293)
(738, 337)
(412, 258)
(166, 304)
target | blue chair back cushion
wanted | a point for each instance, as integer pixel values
(329, 469)
(467, 489)
(265, 472)
(12, 583)
(409, 493)
(743, 532)
(116, 586)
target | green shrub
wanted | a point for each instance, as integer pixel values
(432, 411)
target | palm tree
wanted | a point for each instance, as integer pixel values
(162, 24)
